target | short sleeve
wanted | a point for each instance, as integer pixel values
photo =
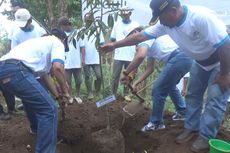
(154, 31)
(215, 31)
(57, 51)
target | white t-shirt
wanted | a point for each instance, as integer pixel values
(15, 27)
(119, 32)
(73, 56)
(91, 53)
(162, 48)
(199, 33)
(38, 53)
(18, 36)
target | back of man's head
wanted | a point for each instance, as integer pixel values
(58, 33)
(64, 21)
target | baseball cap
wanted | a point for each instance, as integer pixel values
(126, 10)
(158, 6)
(21, 17)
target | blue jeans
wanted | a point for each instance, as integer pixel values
(176, 67)
(208, 121)
(19, 80)
(10, 100)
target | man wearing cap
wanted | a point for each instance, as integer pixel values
(26, 30)
(74, 59)
(122, 56)
(92, 59)
(23, 30)
(202, 36)
(18, 69)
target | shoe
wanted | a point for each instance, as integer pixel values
(4, 116)
(128, 98)
(78, 100)
(20, 107)
(200, 144)
(90, 96)
(185, 136)
(178, 117)
(152, 127)
(71, 100)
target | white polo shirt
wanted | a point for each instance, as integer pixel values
(38, 53)
(19, 36)
(91, 53)
(119, 32)
(73, 56)
(161, 48)
(199, 33)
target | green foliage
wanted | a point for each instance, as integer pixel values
(38, 9)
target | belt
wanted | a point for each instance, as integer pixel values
(10, 61)
(213, 59)
(16, 62)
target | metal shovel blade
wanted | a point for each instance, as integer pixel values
(133, 108)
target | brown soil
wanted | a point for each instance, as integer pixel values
(85, 124)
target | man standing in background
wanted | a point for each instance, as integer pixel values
(75, 59)
(122, 56)
(92, 60)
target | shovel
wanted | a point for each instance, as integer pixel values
(133, 108)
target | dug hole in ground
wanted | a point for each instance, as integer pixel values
(84, 131)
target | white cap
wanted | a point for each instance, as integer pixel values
(126, 9)
(21, 17)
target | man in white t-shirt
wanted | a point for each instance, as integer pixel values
(23, 30)
(26, 30)
(202, 36)
(177, 64)
(92, 60)
(74, 59)
(18, 69)
(122, 56)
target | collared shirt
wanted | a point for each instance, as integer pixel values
(161, 48)
(91, 53)
(199, 33)
(119, 32)
(38, 53)
(73, 56)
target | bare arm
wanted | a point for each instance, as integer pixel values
(83, 55)
(129, 41)
(148, 71)
(224, 55)
(138, 59)
(59, 73)
(49, 83)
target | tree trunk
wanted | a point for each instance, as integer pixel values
(63, 7)
(49, 6)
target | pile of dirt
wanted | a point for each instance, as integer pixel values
(84, 131)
